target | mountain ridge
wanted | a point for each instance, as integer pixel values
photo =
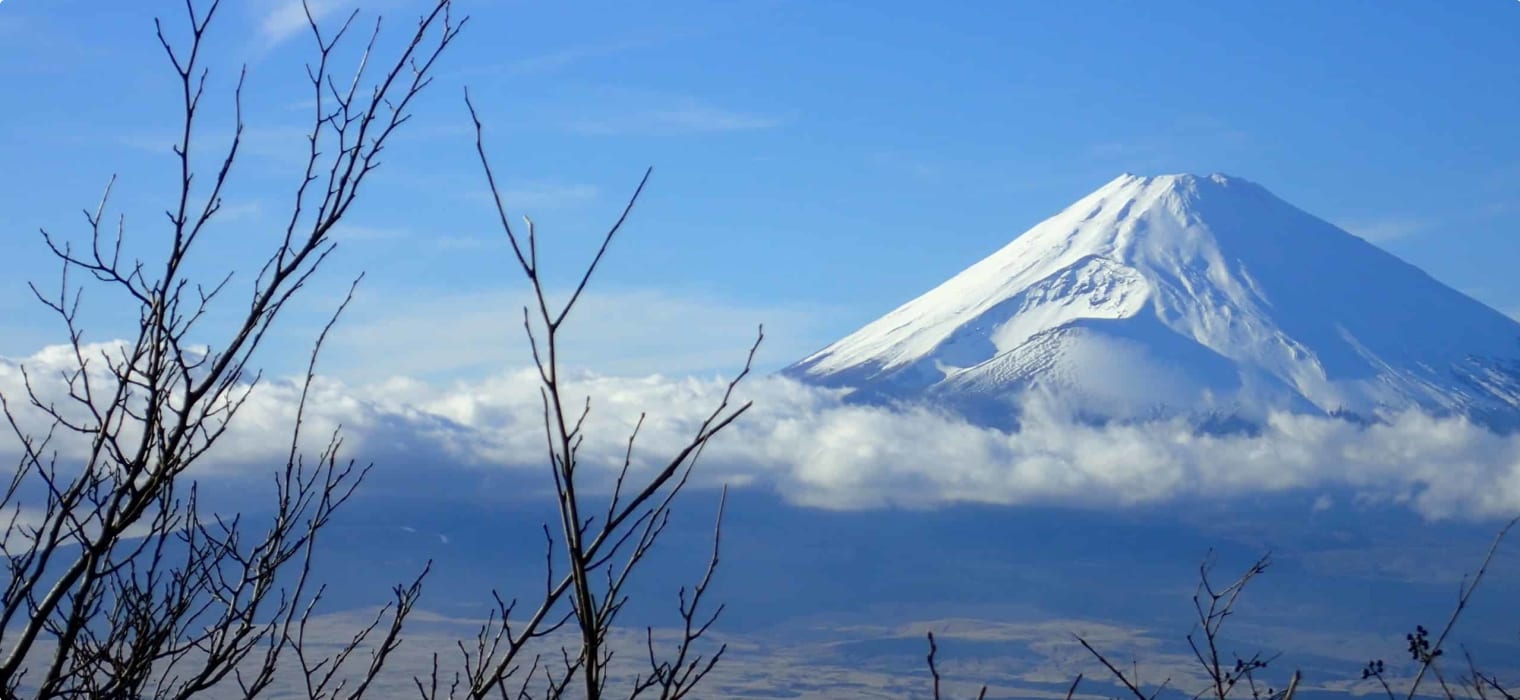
(1186, 294)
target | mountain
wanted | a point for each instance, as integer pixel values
(1184, 294)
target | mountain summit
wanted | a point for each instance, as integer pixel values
(1185, 294)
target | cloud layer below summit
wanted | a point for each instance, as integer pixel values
(815, 449)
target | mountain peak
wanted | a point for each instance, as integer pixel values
(1183, 293)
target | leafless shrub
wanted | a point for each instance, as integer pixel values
(602, 541)
(1428, 652)
(935, 677)
(1227, 676)
(117, 584)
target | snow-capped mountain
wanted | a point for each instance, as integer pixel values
(1186, 294)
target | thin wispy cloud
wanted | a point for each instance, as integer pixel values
(275, 144)
(624, 332)
(549, 195)
(1124, 150)
(40, 39)
(470, 243)
(688, 117)
(1386, 229)
(12, 26)
(1215, 128)
(283, 19)
(240, 211)
(1170, 147)
(351, 232)
(569, 56)
(160, 142)
(911, 165)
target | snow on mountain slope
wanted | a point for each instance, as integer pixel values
(1182, 293)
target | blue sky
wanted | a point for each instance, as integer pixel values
(816, 163)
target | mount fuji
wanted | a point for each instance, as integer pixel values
(1202, 296)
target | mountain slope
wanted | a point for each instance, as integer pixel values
(1180, 293)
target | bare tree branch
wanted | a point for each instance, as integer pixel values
(119, 582)
(599, 554)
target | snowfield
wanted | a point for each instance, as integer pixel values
(1185, 294)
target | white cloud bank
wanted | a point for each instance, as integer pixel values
(814, 449)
